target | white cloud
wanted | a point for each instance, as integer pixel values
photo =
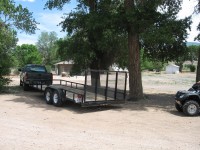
(27, 0)
(26, 39)
(48, 22)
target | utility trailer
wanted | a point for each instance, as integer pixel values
(95, 88)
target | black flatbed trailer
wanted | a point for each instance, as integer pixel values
(87, 94)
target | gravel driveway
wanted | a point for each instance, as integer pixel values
(28, 123)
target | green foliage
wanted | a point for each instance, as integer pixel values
(165, 41)
(99, 29)
(93, 40)
(193, 53)
(3, 81)
(192, 68)
(16, 16)
(11, 16)
(27, 54)
(47, 47)
(7, 42)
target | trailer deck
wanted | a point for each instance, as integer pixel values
(94, 92)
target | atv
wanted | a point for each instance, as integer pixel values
(188, 101)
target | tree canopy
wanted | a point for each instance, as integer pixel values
(12, 17)
(100, 30)
(46, 46)
(27, 54)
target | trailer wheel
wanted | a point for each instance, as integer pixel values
(48, 93)
(21, 83)
(57, 98)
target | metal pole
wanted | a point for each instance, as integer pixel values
(125, 85)
(116, 81)
(106, 91)
(96, 82)
(85, 86)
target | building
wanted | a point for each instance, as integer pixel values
(63, 67)
(172, 69)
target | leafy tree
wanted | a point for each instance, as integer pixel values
(47, 47)
(146, 22)
(16, 17)
(27, 54)
(132, 18)
(11, 16)
(7, 42)
(93, 41)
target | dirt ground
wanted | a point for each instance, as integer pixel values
(28, 123)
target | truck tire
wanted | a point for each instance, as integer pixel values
(21, 83)
(48, 94)
(180, 109)
(25, 87)
(57, 98)
(191, 108)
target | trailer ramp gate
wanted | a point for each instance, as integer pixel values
(97, 87)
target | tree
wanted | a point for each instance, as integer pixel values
(197, 10)
(140, 17)
(46, 46)
(27, 54)
(11, 16)
(16, 16)
(7, 41)
(133, 18)
(93, 41)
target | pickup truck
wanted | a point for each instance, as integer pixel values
(33, 74)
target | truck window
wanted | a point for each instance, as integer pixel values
(37, 69)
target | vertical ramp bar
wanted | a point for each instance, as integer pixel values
(116, 81)
(96, 80)
(125, 85)
(106, 90)
(85, 87)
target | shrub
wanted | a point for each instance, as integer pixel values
(3, 82)
(192, 68)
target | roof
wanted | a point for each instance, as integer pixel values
(173, 65)
(70, 62)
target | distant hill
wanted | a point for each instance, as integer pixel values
(193, 43)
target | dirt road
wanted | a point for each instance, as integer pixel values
(28, 123)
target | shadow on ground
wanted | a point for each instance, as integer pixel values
(34, 98)
(156, 101)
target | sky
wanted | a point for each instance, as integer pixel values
(49, 19)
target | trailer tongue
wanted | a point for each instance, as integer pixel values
(98, 87)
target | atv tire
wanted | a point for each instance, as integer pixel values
(191, 108)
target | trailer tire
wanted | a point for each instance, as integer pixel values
(21, 83)
(48, 94)
(58, 98)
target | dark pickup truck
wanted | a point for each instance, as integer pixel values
(33, 74)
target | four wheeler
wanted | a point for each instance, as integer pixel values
(189, 101)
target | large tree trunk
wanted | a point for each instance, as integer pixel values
(135, 79)
(198, 68)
